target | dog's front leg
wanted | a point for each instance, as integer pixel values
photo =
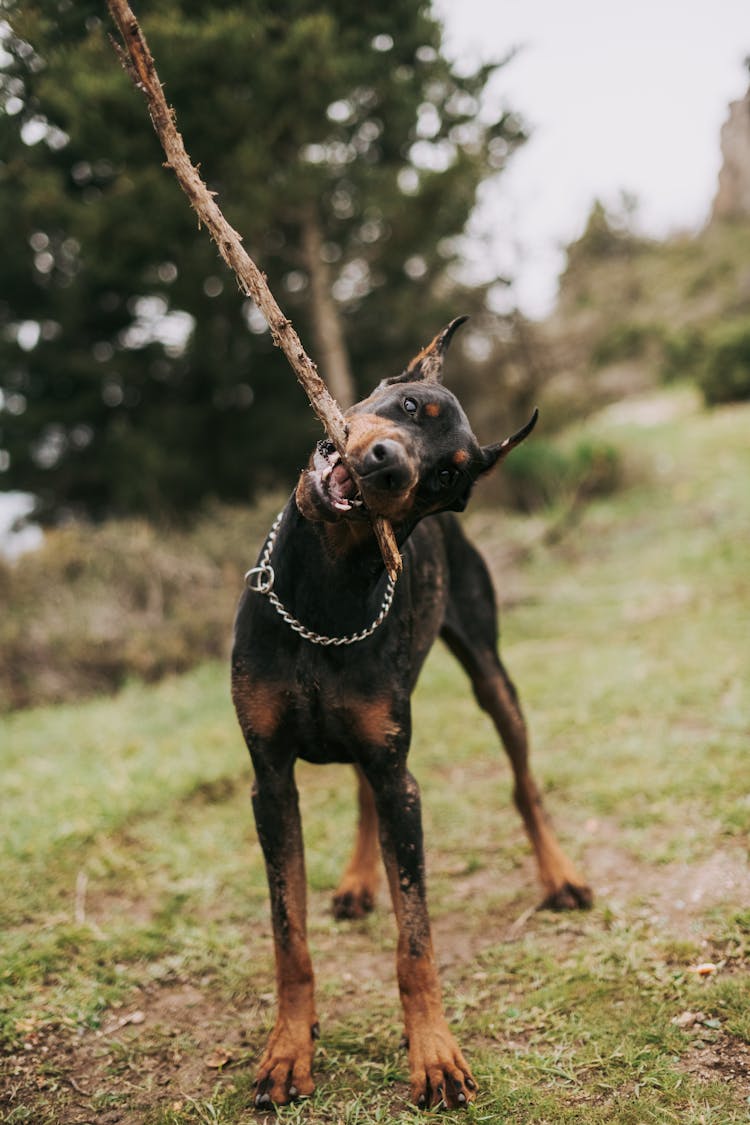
(285, 1069)
(439, 1074)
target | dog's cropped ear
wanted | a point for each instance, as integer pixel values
(491, 454)
(428, 364)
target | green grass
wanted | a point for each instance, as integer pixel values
(135, 922)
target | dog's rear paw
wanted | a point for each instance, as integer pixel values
(353, 903)
(570, 896)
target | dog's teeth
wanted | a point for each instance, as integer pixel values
(342, 505)
(326, 473)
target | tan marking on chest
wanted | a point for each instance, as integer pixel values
(373, 720)
(259, 706)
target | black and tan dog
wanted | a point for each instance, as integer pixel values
(325, 659)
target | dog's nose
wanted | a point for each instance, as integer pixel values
(386, 466)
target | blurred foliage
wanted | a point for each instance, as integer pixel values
(544, 473)
(682, 354)
(98, 605)
(725, 371)
(632, 312)
(607, 234)
(622, 341)
(134, 377)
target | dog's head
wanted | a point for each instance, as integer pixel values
(411, 447)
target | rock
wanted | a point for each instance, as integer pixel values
(733, 195)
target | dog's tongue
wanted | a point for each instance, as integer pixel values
(342, 482)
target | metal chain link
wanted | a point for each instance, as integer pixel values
(260, 580)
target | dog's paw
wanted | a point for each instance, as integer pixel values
(284, 1074)
(439, 1075)
(570, 896)
(355, 894)
(353, 902)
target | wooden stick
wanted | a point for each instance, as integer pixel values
(138, 61)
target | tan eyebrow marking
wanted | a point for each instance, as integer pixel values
(460, 457)
(432, 409)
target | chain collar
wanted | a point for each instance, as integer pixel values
(260, 580)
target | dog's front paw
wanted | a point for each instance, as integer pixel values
(439, 1074)
(284, 1074)
(570, 896)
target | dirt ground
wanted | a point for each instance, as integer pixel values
(174, 1042)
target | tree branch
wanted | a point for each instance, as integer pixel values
(137, 58)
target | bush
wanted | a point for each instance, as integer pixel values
(623, 341)
(725, 374)
(95, 606)
(683, 354)
(541, 474)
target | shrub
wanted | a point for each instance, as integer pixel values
(97, 605)
(541, 474)
(622, 341)
(725, 374)
(683, 354)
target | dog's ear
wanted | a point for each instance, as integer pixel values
(491, 454)
(428, 364)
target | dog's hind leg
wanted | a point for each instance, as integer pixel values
(470, 631)
(355, 894)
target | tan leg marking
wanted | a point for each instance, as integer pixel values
(355, 894)
(564, 887)
(438, 1071)
(285, 1070)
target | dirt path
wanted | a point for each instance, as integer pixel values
(171, 1043)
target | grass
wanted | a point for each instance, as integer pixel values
(136, 940)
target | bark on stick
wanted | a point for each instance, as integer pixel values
(138, 61)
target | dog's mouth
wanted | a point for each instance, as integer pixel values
(334, 483)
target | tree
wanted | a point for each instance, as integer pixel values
(344, 146)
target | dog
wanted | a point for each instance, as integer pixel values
(327, 652)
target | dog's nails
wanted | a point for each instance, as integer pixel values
(315, 1031)
(293, 1092)
(422, 1101)
(461, 1098)
(471, 1084)
(263, 1101)
(404, 1041)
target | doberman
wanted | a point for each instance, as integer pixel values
(326, 655)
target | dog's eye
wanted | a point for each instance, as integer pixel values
(446, 477)
(410, 406)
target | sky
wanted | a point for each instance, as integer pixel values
(618, 97)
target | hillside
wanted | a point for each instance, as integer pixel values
(634, 312)
(138, 977)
